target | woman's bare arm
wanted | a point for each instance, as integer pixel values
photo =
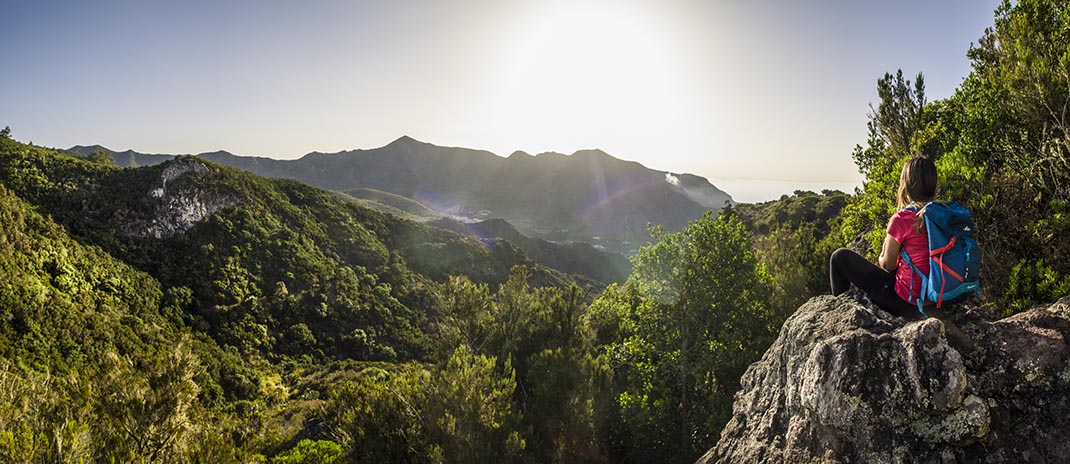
(889, 254)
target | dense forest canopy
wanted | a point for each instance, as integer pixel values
(191, 312)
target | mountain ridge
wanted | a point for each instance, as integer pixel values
(587, 196)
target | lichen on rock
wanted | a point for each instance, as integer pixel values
(842, 384)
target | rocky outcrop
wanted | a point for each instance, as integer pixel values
(178, 201)
(843, 383)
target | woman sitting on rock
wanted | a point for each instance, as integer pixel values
(893, 284)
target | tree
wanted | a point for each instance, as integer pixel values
(146, 409)
(900, 114)
(537, 331)
(101, 157)
(466, 316)
(5, 133)
(381, 414)
(1024, 61)
(900, 126)
(894, 123)
(701, 317)
(472, 416)
(311, 452)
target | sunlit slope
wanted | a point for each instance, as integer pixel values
(403, 205)
(65, 305)
(576, 258)
(269, 265)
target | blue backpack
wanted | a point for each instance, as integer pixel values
(954, 257)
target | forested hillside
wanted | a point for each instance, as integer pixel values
(794, 237)
(576, 258)
(212, 313)
(191, 312)
(249, 279)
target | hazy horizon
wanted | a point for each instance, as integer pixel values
(759, 92)
(741, 190)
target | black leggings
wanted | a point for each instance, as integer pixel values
(847, 267)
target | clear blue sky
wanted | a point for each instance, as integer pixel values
(768, 90)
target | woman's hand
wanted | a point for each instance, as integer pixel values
(889, 257)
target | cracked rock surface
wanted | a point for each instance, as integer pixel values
(844, 384)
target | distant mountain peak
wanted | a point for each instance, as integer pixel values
(87, 149)
(405, 140)
(520, 154)
(550, 154)
(592, 152)
(596, 154)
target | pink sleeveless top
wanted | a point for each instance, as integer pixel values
(901, 228)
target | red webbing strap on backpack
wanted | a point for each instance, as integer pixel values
(948, 270)
(941, 250)
(937, 256)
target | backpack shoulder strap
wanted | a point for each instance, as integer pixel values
(920, 300)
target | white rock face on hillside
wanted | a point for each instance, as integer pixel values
(180, 203)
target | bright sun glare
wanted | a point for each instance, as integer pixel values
(584, 72)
